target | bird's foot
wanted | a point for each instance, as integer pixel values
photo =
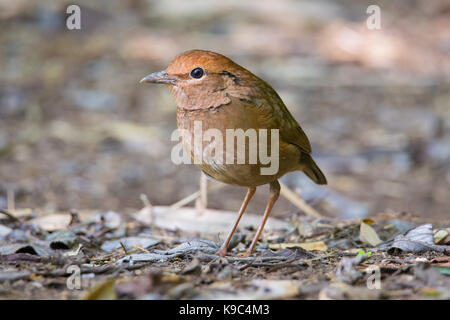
(245, 254)
(222, 252)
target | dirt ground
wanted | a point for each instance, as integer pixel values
(80, 139)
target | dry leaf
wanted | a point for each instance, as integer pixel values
(310, 246)
(258, 289)
(53, 222)
(367, 234)
(102, 291)
(419, 239)
(368, 221)
(145, 215)
(440, 236)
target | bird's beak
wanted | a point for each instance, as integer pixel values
(159, 77)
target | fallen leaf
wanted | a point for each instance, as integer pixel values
(104, 290)
(53, 222)
(368, 221)
(4, 231)
(63, 239)
(368, 235)
(40, 248)
(129, 243)
(417, 240)
(258, 290)
(310, 246)
(440, 236)
(145, 216)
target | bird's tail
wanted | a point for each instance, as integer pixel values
(312, 170)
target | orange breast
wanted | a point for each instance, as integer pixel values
(222, 162)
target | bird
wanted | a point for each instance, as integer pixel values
(212, 90)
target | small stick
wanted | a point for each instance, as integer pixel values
(298, 201)
(140, 248)
(285, 192)
(9, 215)
(202, 201)
(194, 196)
(147, 205)
(145, 200)
(10, 199)
(123, 247)
(185, 201)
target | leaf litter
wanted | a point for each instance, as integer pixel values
(122, 256)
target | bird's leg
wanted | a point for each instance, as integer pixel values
(274, 194)
(223, 249)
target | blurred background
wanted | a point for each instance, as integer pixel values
(78, 131)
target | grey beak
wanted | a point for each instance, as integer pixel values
(159, 77)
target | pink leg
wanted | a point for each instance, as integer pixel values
(274, 194)
(223, 249)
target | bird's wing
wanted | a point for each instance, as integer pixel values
(290, 130)
(274, 113)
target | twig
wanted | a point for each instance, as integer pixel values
(285, 191)
(142, 249)
(145, 200)
(148, 206)
(123, 247)
(9, 215)
(10, 198)
(194, 196)
(298, 201)
(202, 201)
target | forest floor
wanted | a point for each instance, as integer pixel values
(148, 255)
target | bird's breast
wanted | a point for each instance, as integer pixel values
(207, 133)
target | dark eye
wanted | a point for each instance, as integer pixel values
(197, 73)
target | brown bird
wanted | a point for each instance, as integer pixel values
(217, 93)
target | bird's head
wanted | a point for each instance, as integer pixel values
(201, 79)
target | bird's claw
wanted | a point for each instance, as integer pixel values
(221, 253)
(245, 254)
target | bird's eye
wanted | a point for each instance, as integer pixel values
(197, 73)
